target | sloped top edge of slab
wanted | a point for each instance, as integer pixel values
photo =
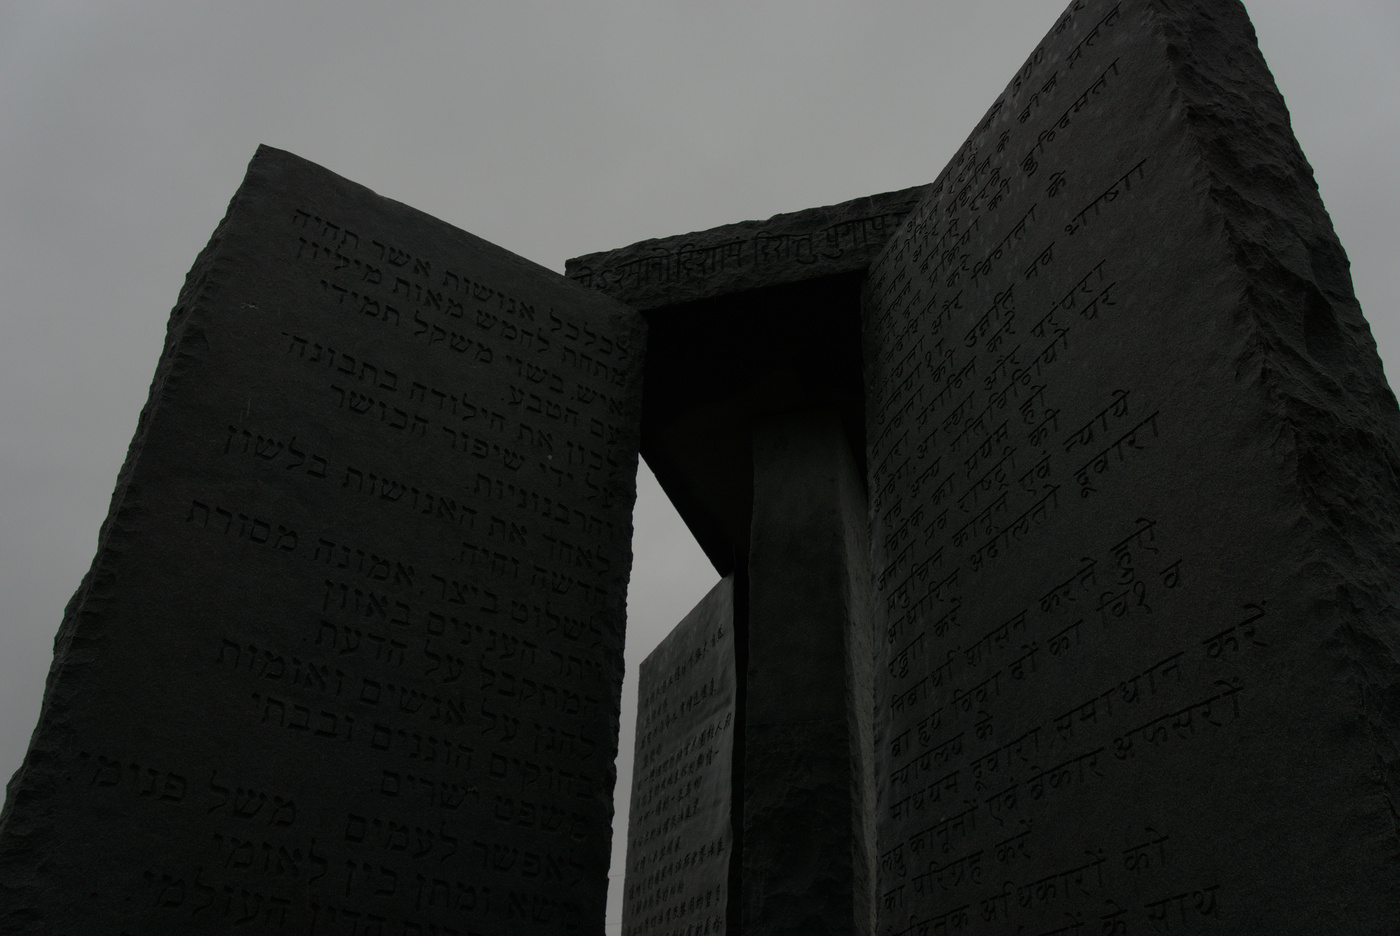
(281, 171)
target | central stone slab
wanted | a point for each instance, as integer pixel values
(756, 330)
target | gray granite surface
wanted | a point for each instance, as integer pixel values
(1133, 494)
(349, 657)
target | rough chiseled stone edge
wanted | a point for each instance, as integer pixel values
(25, 832)
(77, 644)
(799, 245)
(1336, 420)
(1311, 355)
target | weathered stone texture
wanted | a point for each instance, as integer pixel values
(1133, 500)
(785, 249)
(680, 834)
(350, 652)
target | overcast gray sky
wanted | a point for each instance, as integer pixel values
(552, 129)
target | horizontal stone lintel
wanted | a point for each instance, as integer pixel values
(787, 248)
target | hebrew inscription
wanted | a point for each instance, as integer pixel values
(349, 659)
(1091, 586)
(680, 835)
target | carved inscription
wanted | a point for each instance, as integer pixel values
(762, 249)
(679, 835)
(375, 600)
(1073, 634)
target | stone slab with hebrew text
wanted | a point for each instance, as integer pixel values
(1133, 506)
(349, 656)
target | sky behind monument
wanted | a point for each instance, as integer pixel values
(551, 129)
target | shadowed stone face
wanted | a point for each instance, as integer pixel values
(1130, 510)
(745, 320)
(351, 650)
(1131, 494)
(680, 839)
(1055, 501)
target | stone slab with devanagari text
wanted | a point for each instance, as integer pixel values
(1132, 513)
